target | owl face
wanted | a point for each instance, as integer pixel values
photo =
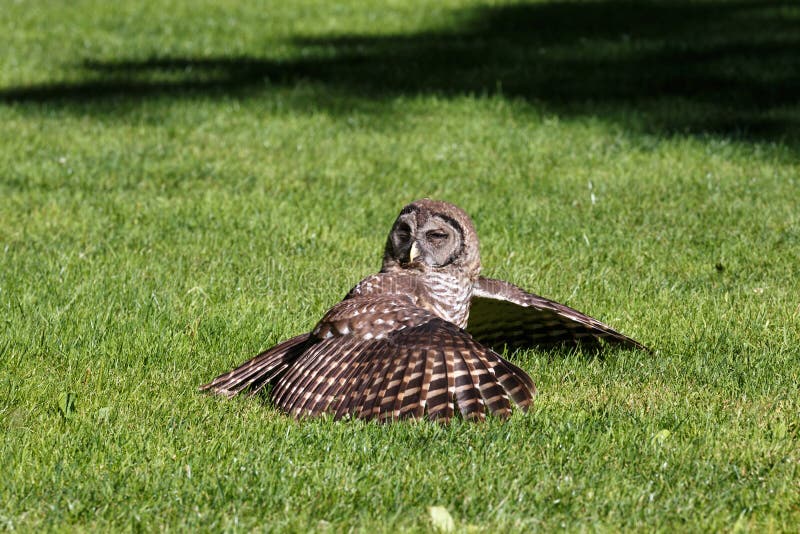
(429, 235)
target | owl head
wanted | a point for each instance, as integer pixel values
(433, 236)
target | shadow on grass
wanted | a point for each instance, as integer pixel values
(706, 66)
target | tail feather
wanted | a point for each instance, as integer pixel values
(493, 394)
(389, 393)
(259, 371)
(516, 382)
(468, 394)
(441, 388)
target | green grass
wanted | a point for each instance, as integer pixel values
(184, 184)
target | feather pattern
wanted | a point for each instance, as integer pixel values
(502, 314)
(418, 369)
(396, 346)
(260, 370)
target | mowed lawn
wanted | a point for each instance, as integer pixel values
(184, 184)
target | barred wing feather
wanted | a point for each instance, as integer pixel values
(425, 367)
(503, 314)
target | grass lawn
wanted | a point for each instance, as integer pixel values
(184, 184)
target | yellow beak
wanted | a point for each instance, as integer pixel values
(413, 253)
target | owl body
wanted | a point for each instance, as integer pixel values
(403, 343)
(443, 295)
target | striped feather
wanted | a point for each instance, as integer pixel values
(425, 367)
(501, 314)
(391, 391)
(368, 404)
(290, 386)
(494, 396)
(356, 381)
(384, 387)
(314, 400)
(517, 388)
(425, 386)
(360, 386)
(468, 395)
(478, 374)
(260, 370)
(439, 400)
(409, 385)
(411, 401)
(338, 386)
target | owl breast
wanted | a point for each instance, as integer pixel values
(442, 294)
(447, 296)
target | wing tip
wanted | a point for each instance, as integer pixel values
(210, 389)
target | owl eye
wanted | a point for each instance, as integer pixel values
(436, 235)
(403, 231)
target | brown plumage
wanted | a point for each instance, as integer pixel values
(416, 340)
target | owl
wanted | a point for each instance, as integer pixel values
(419, 339)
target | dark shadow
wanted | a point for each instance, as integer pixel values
(706, 66)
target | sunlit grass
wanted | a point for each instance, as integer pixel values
(159, 224)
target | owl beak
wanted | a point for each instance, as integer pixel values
(413, 254)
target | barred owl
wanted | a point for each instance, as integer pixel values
(419, 338)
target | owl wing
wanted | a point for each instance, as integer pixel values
(258, 372)
(383, 358)
(503, 314)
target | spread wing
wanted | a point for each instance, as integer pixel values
(380, 357)
(258, 372)
(503, 314)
